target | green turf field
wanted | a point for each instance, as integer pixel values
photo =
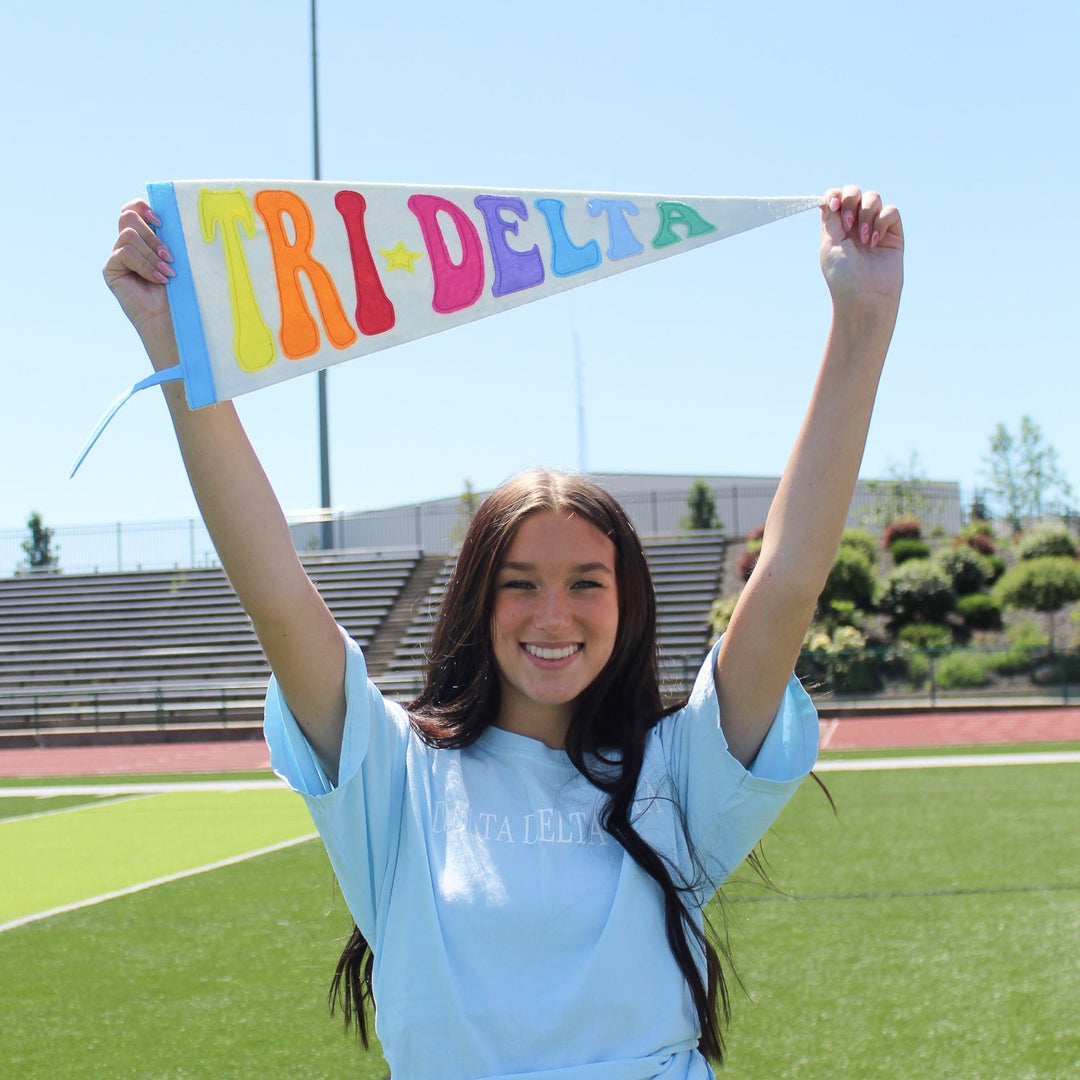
(111, 844)
(931, 930)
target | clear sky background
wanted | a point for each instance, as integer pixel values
(963, 114)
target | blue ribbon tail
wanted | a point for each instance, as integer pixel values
(173, 374)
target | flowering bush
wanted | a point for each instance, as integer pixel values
(905, 529)
(840, 661)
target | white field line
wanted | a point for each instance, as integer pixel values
(949, 761)
(828, 730)
(72, 809)
(935, 761)
(37, 916)
(155, 788)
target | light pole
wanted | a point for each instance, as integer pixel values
(327, 537)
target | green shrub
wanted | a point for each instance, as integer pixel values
(907, 548)
(980, 611)
(720, 614)
(965, 568)
(962, 671)
(1043, 584)
(860, 540)
(917, 591)
(1047, 541)
(1053, 540)
(851, 579)
(1014, 661)
(1062, 667)
(841, 613)
(1027, 635)
(1027, 647)
(923, 636)
(916, 666)
(994, 566)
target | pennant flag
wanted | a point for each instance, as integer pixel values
(276, 280)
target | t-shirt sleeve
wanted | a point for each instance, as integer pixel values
(728, 808)
(359, 818)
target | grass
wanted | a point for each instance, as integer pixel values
(218, 976)
(928, 931)
(113, 844)
(927, 940)
(139, 778)
(951, 751)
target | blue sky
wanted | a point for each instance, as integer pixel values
(963, 114)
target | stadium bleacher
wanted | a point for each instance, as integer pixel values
(164, 653)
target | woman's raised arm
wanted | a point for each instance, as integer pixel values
(862, 245)
(294, 627)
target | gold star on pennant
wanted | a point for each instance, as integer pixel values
(401, 258)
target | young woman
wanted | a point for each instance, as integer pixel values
(528, 848)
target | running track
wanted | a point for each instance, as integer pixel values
(928, 728)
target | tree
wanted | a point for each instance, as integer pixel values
(902, 496)
(1045, 584)
(468, 504)
(701, 509)
(1023, 472)
(38, 546)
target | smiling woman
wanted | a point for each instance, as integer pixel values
(554, 625)
(527, 848)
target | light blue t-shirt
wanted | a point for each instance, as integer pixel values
(513, 937)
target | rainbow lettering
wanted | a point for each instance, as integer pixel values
(279, 279)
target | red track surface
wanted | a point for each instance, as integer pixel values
(135, 759)
(942, 727)
(951, 727)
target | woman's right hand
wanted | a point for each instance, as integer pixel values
(138, 269)
(294, 627)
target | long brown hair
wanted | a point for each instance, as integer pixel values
(612, 717)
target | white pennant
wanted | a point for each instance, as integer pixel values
(279, 279)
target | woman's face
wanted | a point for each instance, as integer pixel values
(554, 623)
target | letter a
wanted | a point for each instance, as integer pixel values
(677, 213)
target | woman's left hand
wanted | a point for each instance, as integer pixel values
(862, 249)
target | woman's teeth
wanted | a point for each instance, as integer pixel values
(552, 654)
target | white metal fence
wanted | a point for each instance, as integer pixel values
(432, 527)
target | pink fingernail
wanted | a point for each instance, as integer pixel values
(849, 220)
(164, 253)
(153, 218)
(864, 233)
(159, 277)
(167, 270)
(834, 204)
(875, 238)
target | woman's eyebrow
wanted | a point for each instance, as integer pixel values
(581, 568)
